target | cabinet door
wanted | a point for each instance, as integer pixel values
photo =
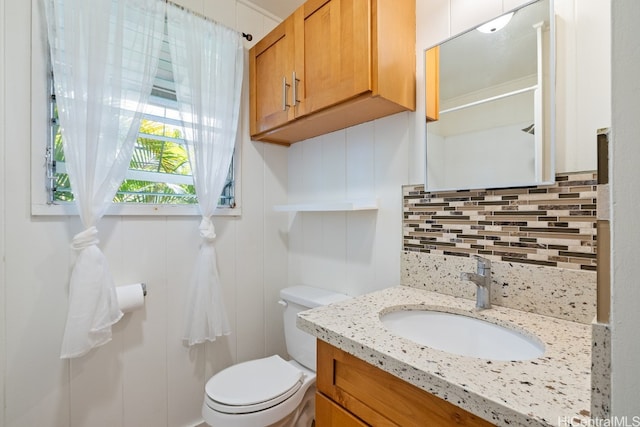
(328, 414)
(333, 55)
(271, 66)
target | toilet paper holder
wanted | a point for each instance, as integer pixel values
(131, 297)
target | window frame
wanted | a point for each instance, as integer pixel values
(40, 133)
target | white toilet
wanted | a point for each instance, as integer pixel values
(272, 391)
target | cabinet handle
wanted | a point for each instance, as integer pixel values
(294, 83)
(284, 94)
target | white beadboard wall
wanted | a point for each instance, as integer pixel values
(624, 153)
(351, 252)
(2, 213)
(145, 377)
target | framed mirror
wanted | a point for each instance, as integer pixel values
(491, 104)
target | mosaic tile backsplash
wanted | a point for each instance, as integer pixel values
(553, 226)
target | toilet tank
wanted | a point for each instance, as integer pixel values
(301, 346)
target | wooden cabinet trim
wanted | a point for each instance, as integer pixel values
(394, 51)
(349, 113)
(311, 6)
(432, 87)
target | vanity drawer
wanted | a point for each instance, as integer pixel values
(379, 398)
(330, 414)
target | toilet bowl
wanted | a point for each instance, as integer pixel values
(259, 393)
(271, 392)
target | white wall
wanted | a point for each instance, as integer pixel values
(2, 208)
(625, 174)
(352, 252)
(145, 376)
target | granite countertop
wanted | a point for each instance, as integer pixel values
(552, 390)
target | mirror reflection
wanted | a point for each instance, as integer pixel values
(490, 105)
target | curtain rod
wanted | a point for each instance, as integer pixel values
(247, 36)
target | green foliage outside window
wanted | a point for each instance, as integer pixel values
(154, 152)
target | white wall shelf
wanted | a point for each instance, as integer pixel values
(330, 206)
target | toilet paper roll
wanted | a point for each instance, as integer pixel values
(130, 297)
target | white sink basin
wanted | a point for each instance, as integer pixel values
(463, 335)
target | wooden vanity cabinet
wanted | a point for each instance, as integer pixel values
(330, 65)
(351, 392)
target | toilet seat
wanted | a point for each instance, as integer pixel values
(272, 380)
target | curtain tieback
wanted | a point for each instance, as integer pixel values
(86, 238)
(207, 230)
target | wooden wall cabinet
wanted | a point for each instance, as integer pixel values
(353, 393)
(331, 65)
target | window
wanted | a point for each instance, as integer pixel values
(159, 171)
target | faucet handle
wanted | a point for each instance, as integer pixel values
(486, 262)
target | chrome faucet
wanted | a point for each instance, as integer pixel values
(482, 279)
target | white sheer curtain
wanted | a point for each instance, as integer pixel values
(208, 61)
(104, 55)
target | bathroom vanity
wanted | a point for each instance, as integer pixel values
(351, 390)
(368, 375)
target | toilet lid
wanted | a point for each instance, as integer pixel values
(253, 385)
